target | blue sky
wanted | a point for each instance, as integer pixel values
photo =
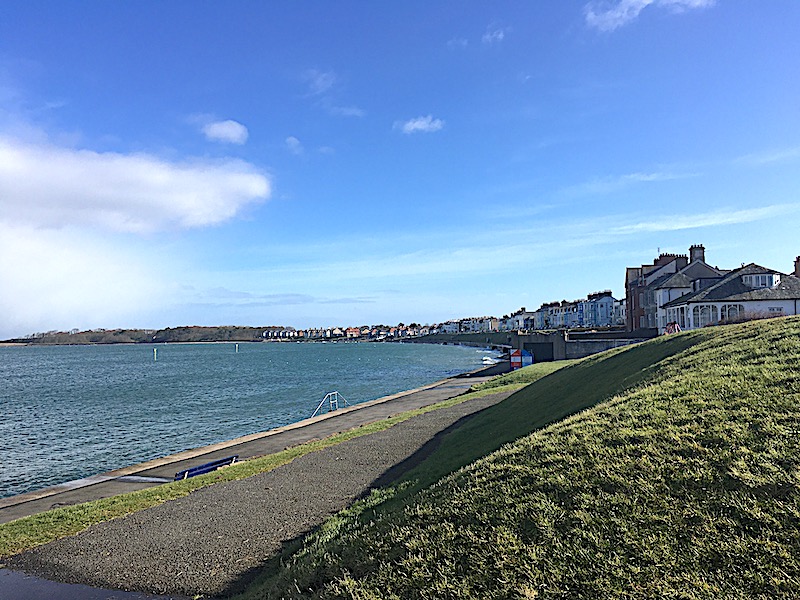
(336, 163)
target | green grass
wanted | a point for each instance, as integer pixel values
(29, 532)
(683, 483)
(522, 377)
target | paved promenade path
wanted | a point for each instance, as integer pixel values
(213, 540)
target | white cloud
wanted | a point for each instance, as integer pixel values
(610, 15)
(294, 145)
(424, 124)
(61, 279)
(769, 157)
(347, 111)
(606, 185)
(320, 82)
(493, 35)
(709, 219)
(45, 185)
(229, 132)
(323, 87)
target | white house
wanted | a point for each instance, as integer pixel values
(518, 320)
(450, 327)
(693, 277)
(749, 292)
(478, 324)
(597, 310)
(620, 307)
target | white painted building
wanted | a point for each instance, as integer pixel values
(695, 276)
(749, 292)
(450, 327)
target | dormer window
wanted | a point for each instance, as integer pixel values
(763, 280)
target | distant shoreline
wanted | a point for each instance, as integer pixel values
(173, 343)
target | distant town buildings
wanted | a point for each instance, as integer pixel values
(674, 292)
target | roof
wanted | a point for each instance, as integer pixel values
(658, 281)
(732, 288)
(697, 269)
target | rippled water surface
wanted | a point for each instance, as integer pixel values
(71, 411)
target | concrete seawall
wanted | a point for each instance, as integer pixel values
(545, 346)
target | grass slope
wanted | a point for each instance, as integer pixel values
(684, 484)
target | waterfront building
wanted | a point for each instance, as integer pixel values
(750, 292)
(619, 312)
(450, 327)
(597, 310)
(649, 287)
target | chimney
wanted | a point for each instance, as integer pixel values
(797, 267)
(697, 252)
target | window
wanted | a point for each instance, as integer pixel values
(682, 317)
(775, 311)
(704, 314)
(731, 312)
(763, 280)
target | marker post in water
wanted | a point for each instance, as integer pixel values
(155, 354)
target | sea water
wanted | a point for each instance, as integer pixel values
(68, 412)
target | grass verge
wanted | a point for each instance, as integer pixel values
(29, 532)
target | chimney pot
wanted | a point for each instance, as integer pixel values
(697, 252)
(797, 267)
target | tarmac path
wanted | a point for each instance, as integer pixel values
(212, 541)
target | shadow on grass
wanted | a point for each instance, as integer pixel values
(546, 401)
(554, 397)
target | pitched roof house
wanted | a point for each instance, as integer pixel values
(752, 291)
(694, 276)
(649, 287)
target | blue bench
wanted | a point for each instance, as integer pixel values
(206, 468)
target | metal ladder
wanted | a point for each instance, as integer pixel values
(332, 398)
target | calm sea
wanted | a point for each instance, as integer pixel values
(68, 412)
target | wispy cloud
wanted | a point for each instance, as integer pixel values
(607, 185)
(46, 185)
(493, 35)
(294, 146)
(607, 15)
(457, 43)
(710, 219)
(430, 264)
(324, 86)
(347, 111)
(319, 82)
(425, 124)
(770, 156)
(220, 297)
(229, 132)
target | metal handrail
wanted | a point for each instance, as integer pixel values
(333, 402)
